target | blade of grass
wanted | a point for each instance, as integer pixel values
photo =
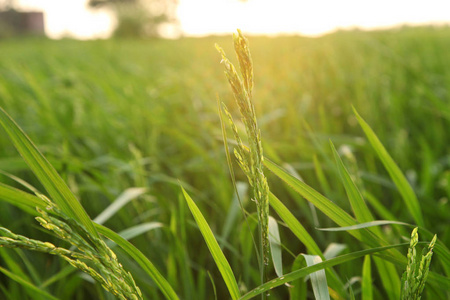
(44, 171)
(300, 232)
(360, 209)
(275, 246)
(216, 252)
(21, 199)
(366, 285)
(27, 284)
(128, 195)
(318, 278)
(294, 225)
(308, 270)
(405, 189)
(330, 209)
(365, 225)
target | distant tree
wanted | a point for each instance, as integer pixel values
(7, 4)
(140, 18)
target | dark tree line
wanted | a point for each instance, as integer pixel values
(140, 18)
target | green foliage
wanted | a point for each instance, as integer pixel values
(110, 116)
(249, 159)
(93, 256)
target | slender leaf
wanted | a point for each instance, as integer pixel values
(275, 246)
(333, 250)
(365, 225)
(216, 252)
(21, 199)
(318, 278)
(405, 189)
(134, 231)
(128, 195)
(362, 212)
(27, 284)
(366, 285)
(308, 270)
(56, 187)
(387, 271)
(294, 225)
(298, 290)
(329, 208)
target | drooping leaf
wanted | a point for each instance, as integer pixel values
(275, 246)
(318, 278)
(56, 187)
(128, 195)
(405, 189)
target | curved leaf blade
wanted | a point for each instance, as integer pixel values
(365, 225)
(275, 246)
(214, 249)
(56, 187)
(294, 225)
(359, 207)
(405, 189)
(308, 270)
(318, 278)
(27, 284)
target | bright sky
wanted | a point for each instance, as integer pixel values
(203, 17)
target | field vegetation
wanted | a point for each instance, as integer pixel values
(358, 118)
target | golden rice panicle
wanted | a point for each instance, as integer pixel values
(249, 160)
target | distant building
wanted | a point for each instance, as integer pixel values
(13, 23)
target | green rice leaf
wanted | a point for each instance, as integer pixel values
(56, 187)
(365, 225)
(27, 284)
(405, 189)
(141, 259)
(216, 252)
(333, 250)
(330, 209)
(21, 199)
(308, 270)
(318, 278)
(134, 231)
(366, 285)
(275, 246)
(128, 195)
(362, 212)
(294, 225)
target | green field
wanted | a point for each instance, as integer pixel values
(116, 115)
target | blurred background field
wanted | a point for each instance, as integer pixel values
(115, 114)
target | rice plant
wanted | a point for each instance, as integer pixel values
(251, 160)
(102, 123)
(415, 276)
(91, 256)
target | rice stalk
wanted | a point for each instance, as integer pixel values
(92, 256)
(250, 159)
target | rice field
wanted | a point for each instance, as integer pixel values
(355, 128)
